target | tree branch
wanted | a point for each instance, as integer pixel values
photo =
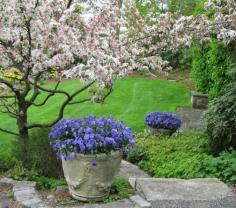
(106, 96)
(9, 85)
(9, 132)
(69, 4)
(7, 96)
(80, 101)
(11, 114)
(62, 108)
(47, 98)
(53, 91)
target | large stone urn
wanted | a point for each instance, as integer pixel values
(89, 177)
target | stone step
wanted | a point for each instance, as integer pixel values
(192, 118)
(178, 193)
(129, 170)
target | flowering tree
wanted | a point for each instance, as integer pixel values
(41, 37)
(38, 37)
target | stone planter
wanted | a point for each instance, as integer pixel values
(160, 131)
(199, 101)
(89, 177)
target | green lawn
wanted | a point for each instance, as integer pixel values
(130, 101)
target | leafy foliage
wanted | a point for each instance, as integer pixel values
(210, 64)
(37, 155)
(185, 7)
(223, 167)
(120, 189)
(43, 182)
(221, 120)
(170, 156)
(182, 156)
(6, 161)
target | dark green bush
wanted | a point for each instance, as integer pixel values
(221, 120)
(210, 65)
(37, 155)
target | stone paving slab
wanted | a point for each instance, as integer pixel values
(125, 203)
(178, 193)
(192, 118)
(141, 202)
(25, 194)
(129, 170)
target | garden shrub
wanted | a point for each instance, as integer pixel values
(36, 154)
(210, 65)
(221, 119)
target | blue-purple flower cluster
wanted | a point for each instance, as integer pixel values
(90, 135)
(163, 120)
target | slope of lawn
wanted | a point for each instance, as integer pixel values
(130, 101)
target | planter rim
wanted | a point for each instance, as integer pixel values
(101, 156)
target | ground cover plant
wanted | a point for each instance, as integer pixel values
(184, 155)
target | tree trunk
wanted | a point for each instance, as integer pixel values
(22, 121)
(22, 150)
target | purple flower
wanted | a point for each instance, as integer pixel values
(90, 135)
(94, 164)
(163, 120)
